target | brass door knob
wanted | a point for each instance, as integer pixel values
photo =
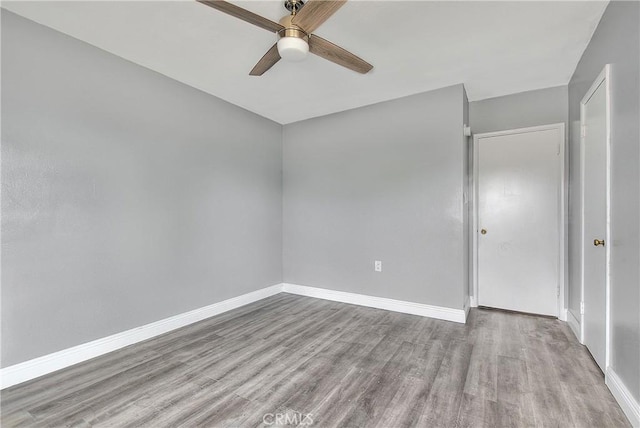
(597, 242)
(483, 231)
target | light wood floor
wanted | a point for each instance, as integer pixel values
(343, 365)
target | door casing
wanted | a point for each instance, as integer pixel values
(563, 208)
(602, 79)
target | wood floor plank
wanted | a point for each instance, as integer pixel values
(590, 407)
(315, 376)
(71, 379)
(515, 389)
(476, 411)
(340, 400)
(19, 418)
(276, 361)
(299, 352)
(445, 398)
(549, 403)
(411, 399)
(161, 403)
(482, 376)
(106, 397)
(511, 342)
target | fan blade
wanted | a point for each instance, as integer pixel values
(244, 14)
(266, 62)
(335, 53)
(315, 12)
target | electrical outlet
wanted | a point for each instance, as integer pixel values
(377, 266)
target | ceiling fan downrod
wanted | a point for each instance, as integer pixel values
(293, 6)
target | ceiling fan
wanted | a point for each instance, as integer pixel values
(295, 38)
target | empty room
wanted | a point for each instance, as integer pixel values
(320, 213)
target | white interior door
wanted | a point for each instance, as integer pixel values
(594, 167)
(518, 239)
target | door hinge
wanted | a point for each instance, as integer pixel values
(581, 308)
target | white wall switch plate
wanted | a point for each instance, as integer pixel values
(377, 266)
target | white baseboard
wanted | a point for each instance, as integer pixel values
(574, 324)
(40, 366)
(473, 302)
(50, 363)
(563, 315)
(629, 405)
(448, 314)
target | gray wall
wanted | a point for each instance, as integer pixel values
(383, 182)
(532, 108)
(127, 197)
(615, 41)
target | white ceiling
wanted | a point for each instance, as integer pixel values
(494, 48)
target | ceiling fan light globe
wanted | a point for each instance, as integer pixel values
(293, 48)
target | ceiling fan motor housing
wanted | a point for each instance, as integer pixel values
(293, 42)
(292, 30)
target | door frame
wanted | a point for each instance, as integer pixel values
(604, 78)
(563, 205)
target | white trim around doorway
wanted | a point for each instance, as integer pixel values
(562, 215)
(603, 78)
